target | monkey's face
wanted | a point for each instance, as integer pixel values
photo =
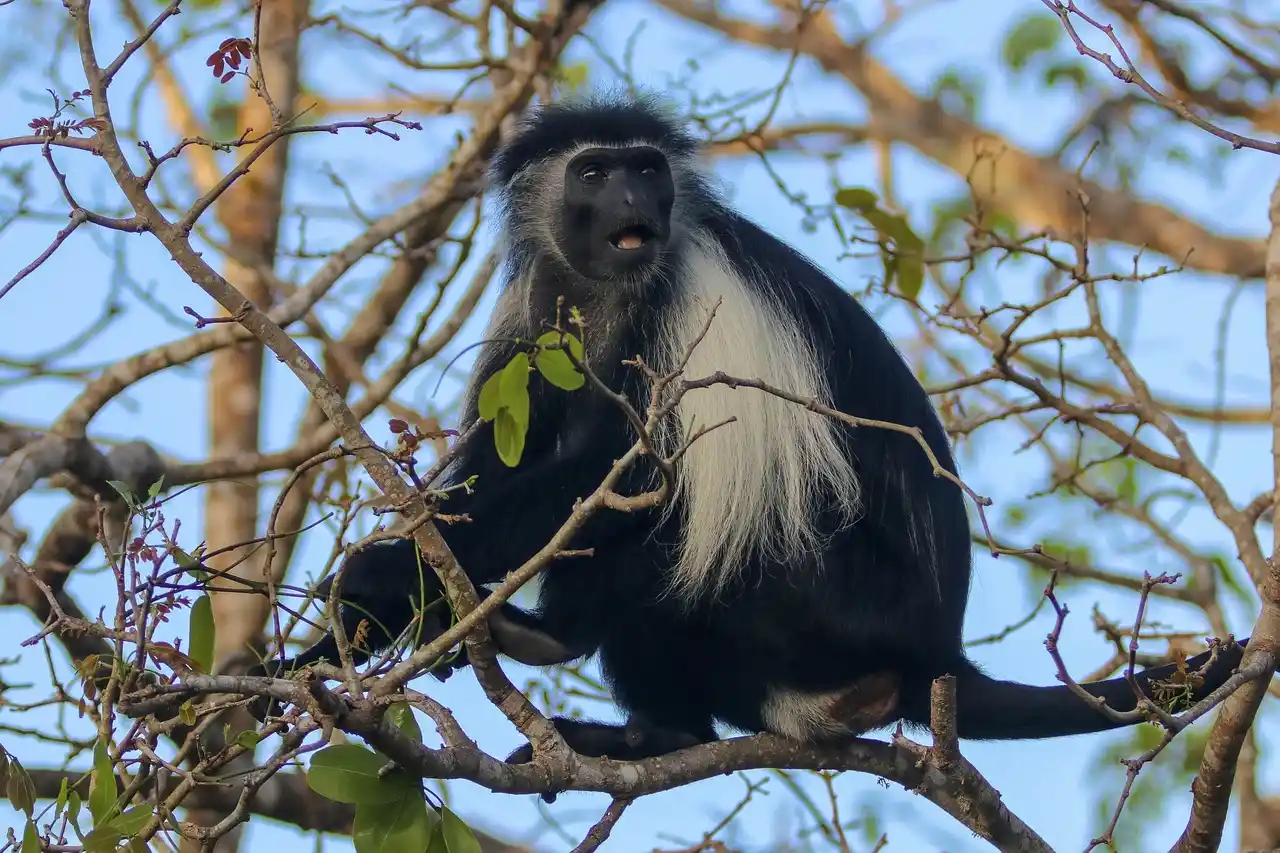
(617, 211)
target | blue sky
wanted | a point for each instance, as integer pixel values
(1173, 323)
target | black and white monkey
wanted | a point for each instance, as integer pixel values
(806, 579)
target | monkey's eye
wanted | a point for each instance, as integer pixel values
(592, 175)
(648, 171)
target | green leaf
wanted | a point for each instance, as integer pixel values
(21, 789)
(106, 838)
(508, 437)
(401, 713)
(248, 739)
(103, 840)
(489, 402)
(903, 237)
(156, 487)
(890, 268)
(1034, 34)
(224, 111)
(513, 390)
(400, 826)
(31, 838)
(349, 773)
(73, 806)
(131, 821)
(190, 563)
(1002, 224)
(102, 784)
(123, 490)
(857, 198)
(554, 364)
(906, 263)
(1072, 72)
(572, 77)
(910, 275)
(61, 802)
(201, 633)
(458, 837)
(437, 843)
(957, 89)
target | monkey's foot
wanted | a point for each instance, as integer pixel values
(635, 741)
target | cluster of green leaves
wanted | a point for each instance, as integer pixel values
(1032, 44)
(112, 823)
(21, 792)
(392, 813)
(504, 397)
(905, 261)
(951, 217)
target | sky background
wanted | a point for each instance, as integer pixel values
(1172, 324)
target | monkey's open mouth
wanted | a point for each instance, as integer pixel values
(632, 237)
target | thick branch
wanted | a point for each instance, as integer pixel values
(1212, 785)
(285, 797)
(1037, 191)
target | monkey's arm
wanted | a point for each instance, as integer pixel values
(515, 512)
(511, 513)
(529, 638)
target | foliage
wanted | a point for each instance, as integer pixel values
(1031, 179)
(905, 260)
(392, 814)
(504, 396)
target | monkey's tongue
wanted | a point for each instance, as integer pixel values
(630, 240)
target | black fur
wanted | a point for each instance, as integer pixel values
(875, 616)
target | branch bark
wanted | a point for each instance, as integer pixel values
(285, 797)
(1036, 191)
(250, 211)
(1213, 783)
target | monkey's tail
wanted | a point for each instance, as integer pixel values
(990, 709)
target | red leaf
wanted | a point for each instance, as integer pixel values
(228, 76)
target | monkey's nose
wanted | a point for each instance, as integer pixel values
(628, 199)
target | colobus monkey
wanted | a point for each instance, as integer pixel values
(807, 579)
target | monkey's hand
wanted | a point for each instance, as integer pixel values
(451, 663)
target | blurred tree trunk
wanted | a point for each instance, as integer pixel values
(250, 213)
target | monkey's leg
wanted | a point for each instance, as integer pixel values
(649, 738)
(640, 738)
(868, 703)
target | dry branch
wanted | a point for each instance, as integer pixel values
(1037, 191)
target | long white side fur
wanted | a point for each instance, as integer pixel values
(757, 483)
(801, 716)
